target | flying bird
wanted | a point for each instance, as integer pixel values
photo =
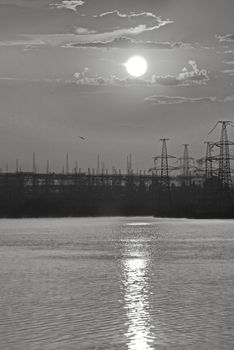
(81, 137)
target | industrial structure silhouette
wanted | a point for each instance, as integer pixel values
(179, 187)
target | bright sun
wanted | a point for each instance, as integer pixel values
(136, 66)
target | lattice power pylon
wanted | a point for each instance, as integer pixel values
(129, 164)
(164, 173)
(186, 166)
(34, 165)
(208, 160)
(224, 170)
(164, 167)
(67, 164)
(185, 161)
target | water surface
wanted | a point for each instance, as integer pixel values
(116, 283)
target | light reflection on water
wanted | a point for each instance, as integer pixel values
(136, 296)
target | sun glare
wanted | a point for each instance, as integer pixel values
(136, 66)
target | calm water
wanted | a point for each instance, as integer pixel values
(122, 283)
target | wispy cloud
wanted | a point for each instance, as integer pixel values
(82, 30)
(112, 33)
(129, 16)
(79, 40)
(165, 100)
(168, 100)
(68, 4)
(25, 3)
(108, 29)
(83, 79)
(228, 71)
(152, 18)
(128, 43)
(225, 38)
(35, 80)
(130, 23)
(229, 62)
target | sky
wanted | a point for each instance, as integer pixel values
(63, 75)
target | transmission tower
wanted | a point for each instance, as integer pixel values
(208, 160)
(185, 161)
(47, 167)
(17, 165)
(164, 174)
(164, 193)
(34, 166)
(76, 167)
(224, 171)
(185, 166)
(98, 165)
(129, 164)
(67, 164)
(164, 167)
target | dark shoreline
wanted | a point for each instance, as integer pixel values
(195, 217)
(39, 196)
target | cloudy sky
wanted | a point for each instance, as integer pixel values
(62, 75)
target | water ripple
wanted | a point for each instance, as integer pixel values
(123, 283)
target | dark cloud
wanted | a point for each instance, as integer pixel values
(164, 100)
(128, 43)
